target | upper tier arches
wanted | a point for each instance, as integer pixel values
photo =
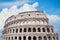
(26, 15)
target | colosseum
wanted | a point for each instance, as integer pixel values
(30, 25)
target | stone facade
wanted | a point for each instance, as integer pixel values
(31, 25)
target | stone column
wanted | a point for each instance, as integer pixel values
(14, 30)
(52, 38)
(22, 37)
(41, 29)
(26, 37)
(36, 29)
(26, 29)
(18, 30)
(37, 38)
(22, 29)
(31, 37)
(31, 29)
(42, 38)
(47, 38)
(11, 30)
(10, 37)
(46, 30)
(13, 37)
(7, 38)
(17, 37)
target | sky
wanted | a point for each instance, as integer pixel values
(13, 7)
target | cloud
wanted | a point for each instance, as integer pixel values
(5, 13)
(36, 4)
(12, 3)
(55, 21)
(54, 18)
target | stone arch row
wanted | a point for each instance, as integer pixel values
(29, 15)
(27, 23)
(31, 38)
(20, 30)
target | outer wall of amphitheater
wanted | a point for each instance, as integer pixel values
(31, 25)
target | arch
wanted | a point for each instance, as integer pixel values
(24, 38)
(34, 29)
(12, 38)
(43, 29)
(16, 30)
(41, 22)
(20, 29)
(49, 38)
(48, 30)
(13, 30)
(45, 38)
(15, 37)
(19, 38)
(21, 23)
(39, 38)
(45, 23)
(37, 22)
(39, 30)
(34, 38)
(25, 22)
(33, 22)
(10, 30)
(24, 29)
(29, 38)
(29, 22)
(29, 29)
(9, 38)
(53, 38)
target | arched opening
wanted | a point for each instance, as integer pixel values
(9, 38)
(16, 30)
(53, 38)
(39, 38)
(29, 29)
(41, 22)
(29, 38)
(21, 23)
(39, 30)
(25, 22)
(12, 38)
(43, 29)
(37, 22)
(45, 38)
(10, 30)
(15, 38)
(19, 38)
(34, 30)
(24, 38)
(29, 22)
(34, 38)
(45, 23)
(20, 29)
(13, 30)
(24, 29)
(48, 30)
(49, 38)
(33, 22)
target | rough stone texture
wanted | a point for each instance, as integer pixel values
(26, 20)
